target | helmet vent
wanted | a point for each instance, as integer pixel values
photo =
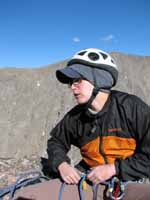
(93, 56)
(82, 53)
(104, 55)
(112, 61)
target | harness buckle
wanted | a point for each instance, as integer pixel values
(116, 189)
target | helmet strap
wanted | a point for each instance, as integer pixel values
(95, 91)
(94, 94)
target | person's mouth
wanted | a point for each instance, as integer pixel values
(76, 95)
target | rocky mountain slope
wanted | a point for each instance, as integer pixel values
(32, 101)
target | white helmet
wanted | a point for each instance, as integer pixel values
(96, 58)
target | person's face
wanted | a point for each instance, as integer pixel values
(82, 90)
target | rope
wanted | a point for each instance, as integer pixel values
(61, 190)
(24, 180)
(80, 188)
(83, 178)
(95, 188)
(116, 187)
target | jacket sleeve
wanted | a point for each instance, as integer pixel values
(59, 144)
(138, 165)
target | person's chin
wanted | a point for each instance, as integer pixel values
(80, 101)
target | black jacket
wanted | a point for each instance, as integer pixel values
(119, 133)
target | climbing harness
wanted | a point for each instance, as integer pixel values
(116, 189)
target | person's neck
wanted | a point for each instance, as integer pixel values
(99, 101)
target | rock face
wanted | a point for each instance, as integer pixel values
(32, 101)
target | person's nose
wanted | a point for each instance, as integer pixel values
(72, 87)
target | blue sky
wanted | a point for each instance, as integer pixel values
(35, 33)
